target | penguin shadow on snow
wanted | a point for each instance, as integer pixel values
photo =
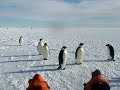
(96, 60)
(115, 82)
(19, 61)
(16, 45)
(11, 45)
(41, 70)
(30, 71)
(19, 55)
(54, 65)
(50, 65)
(58, 50)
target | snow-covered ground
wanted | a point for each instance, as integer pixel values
(18, 64)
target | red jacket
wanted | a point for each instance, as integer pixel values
(38, 83)
(94, 79)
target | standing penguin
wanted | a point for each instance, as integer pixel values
(21, 40)
(40, 47)
(62, 58)
(79, 54)
(110, 52)
(46, 51)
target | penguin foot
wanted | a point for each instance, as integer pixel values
(45, 58)
(78, 63)
(59, 68)
(111, 59)
(63, 68)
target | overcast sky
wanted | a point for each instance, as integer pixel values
(58, 8)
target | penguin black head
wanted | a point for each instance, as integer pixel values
(45, 44)
(108, 45)
(81, 44)
(41, 39)
(64, 47)
(96, 73)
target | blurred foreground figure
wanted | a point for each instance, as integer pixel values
(97, 82)
(38, 83)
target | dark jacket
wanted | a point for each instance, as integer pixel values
(94, 79)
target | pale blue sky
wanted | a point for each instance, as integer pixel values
(67, 12)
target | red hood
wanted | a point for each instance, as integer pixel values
(38, 77)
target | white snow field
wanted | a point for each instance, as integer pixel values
(18, 64)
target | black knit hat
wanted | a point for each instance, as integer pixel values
(96, 72)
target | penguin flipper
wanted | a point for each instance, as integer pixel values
(76, 52)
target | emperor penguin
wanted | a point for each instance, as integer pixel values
(46, 51)
(21, 40)
(110, 51)
(62, 58)
(79, 54)
(40, 47)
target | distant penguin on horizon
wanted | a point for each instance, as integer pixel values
(46, 51)
(110, 51)
(62, 58)
(40, 47)
(79, 54)
(21, 41)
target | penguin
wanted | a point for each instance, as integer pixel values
(110, 51)
(40, 47)
(46, 51)
(79, 54)
(62, 58)
(21, 40)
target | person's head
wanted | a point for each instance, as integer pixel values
(96, 73)
(38, 77)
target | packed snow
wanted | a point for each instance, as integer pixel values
(18, 63)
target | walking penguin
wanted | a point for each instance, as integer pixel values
(46, 51)
(62, 58)
(21, 41)
(110, 51)
(40, 47)
(79, 54)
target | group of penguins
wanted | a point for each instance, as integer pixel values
(43, 49)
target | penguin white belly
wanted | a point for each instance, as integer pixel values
(40, 48)
(108, 52)
(21, 41)
(45, 52)
(64, 59)
(80, 55)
